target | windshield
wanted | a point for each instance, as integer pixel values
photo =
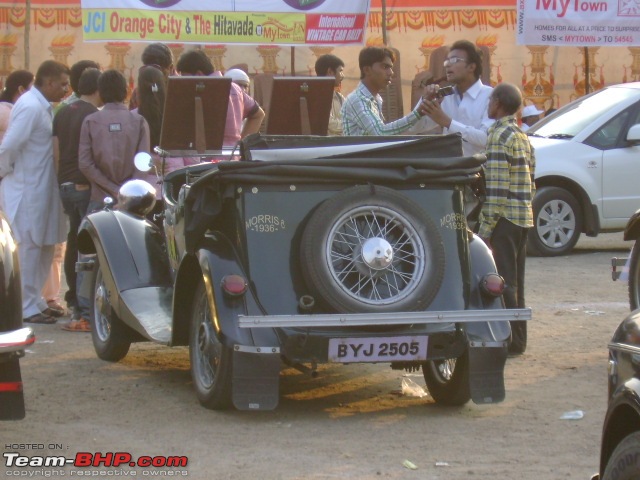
(572, 118)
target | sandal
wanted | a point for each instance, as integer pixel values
(40, 318)
(77, 326)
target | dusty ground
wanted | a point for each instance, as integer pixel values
(352, 421)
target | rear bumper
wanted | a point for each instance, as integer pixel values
(379, 319)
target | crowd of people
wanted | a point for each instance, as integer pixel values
(66, 160)
(57, 164)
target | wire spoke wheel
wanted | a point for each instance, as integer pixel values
(372, 250)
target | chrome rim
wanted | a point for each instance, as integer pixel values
(375, 255)
(101, 310)
(207, 348)
(444, 369)
(556, 224)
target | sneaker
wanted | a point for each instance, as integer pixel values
(81, 325)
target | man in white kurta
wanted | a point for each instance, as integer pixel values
(29, 192)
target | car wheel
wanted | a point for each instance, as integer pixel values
(372, 249)
(210, 358)
(109, 334)
(448, 380)
(624, 463)
(557, 223)
(634, 276)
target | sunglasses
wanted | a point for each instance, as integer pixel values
(453, 60)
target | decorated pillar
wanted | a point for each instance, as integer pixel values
(269, 54)
(216, 54)
(117, 52)
(594, 84)
(61, 47)
(490, 41)
(8, 45)
(537, 89)
(428, 46)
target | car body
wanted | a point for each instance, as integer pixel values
(620, 449)
(14, 338)
(587, 163)
(309, 250)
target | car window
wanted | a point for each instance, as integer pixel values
(569, 120)
(608, 136)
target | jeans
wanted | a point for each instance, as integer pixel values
(75, 203)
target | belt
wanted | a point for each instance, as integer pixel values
(80, 187)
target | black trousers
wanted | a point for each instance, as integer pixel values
(509, 246)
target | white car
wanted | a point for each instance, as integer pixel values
(587, 168)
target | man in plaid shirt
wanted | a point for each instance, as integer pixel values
(362, 110)
(507, 214)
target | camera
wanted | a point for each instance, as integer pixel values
(444, 91)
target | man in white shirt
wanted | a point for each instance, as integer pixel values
(466, 110)
(29, 188)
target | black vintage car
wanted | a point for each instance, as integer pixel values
(14, 338)
(620, 450)
(308, 250)
(631, 263)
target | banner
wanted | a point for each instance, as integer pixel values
(583, 23)
(281, 22)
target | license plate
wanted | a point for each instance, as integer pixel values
(378, 349)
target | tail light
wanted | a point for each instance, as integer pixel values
(492, 284)
(234, 285)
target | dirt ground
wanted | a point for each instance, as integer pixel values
(352, 421)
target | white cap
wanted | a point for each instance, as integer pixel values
(530, 111)
(238, 76)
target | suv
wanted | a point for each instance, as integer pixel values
(587, 166)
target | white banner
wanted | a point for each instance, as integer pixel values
(582, 23)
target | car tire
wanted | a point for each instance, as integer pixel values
(557, 223)
(111, 337)
(211, 360)
(448, 380)
(634, 276)
(372, 249)
(624, 462)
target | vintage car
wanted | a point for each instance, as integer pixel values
(620, 450)
(306, 251)
(14, 338)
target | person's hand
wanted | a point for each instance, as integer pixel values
(430, 92)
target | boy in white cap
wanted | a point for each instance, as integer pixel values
(530, 115)
(238, 76)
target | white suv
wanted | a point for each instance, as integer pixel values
(587, 168)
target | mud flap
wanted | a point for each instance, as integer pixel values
(486, 371)
(256, 377)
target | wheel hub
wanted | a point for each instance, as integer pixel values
(377, 253)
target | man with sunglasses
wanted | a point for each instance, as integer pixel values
(464, 112)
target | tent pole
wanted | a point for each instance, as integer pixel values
(27, 28)
(587, 79)
(384, 22)
(293, 61)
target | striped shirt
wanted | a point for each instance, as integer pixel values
(362, 115)
(509, 174)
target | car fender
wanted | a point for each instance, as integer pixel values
(632, 230)
(622, 418)
(569, 172)
(217, 258)
(482, 263)
(130, 250)
(10, 287)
